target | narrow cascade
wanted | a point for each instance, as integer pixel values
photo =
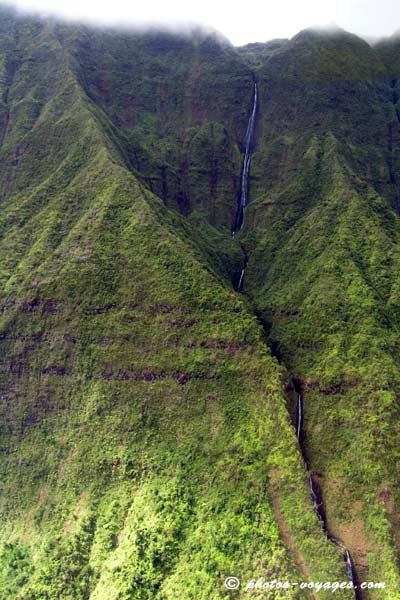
(244, 186)
(315, 491)
(246, 166)
(299, 417)
(317, 498)
(349, 567)
(240, 284)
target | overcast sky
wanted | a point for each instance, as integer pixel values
(241, 21)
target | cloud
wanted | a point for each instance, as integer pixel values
(241, 22)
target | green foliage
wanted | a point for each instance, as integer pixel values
(15, 569)
(147, 447)
(323, 240)
(66, 572)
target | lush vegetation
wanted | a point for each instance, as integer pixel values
(323, 240)
(147, 439)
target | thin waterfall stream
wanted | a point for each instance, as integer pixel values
(314, 488)
(244, 184)
(317, 499)
(240, 284)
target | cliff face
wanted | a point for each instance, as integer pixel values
(147, 439)
(322, 236)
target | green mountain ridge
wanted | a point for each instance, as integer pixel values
(147, 431)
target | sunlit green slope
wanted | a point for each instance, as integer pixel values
(322, 235)
(147, 451)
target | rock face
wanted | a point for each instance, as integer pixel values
(147, 428)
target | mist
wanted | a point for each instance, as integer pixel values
(257, 21)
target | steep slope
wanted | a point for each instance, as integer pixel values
(146, 447)
(178, 105)
(322, 235)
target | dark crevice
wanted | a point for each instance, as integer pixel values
(238, 280)
(315, 488)
(274, 346)
(316, 492)
(244, 180)
(390, 147)
(390, 151)
(393, 84)
(164, 187)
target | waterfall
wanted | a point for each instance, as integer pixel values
(299, 415)
(247, 155)
(314, 488)
(240, 284)
(316, 497)
(299, 435)
(244, 185)
(349, 566)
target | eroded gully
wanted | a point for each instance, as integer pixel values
(316, 496)
(244, 183)
(315, 491)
